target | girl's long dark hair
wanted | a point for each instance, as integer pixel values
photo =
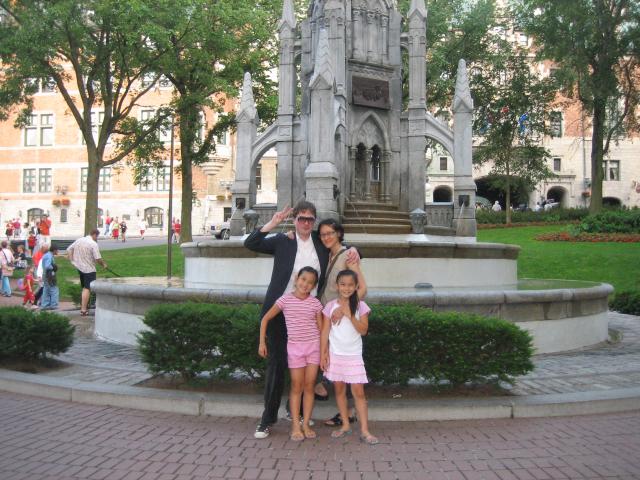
(353, 299)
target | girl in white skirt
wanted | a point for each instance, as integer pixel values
(341, 352)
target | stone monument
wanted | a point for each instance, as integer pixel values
(343, 134)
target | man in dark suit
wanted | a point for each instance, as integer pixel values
(290, 255)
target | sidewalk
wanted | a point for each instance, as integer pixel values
(601, 379)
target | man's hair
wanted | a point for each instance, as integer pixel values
(95, 231)
(303, 205)
(53, 248)
(4, 244)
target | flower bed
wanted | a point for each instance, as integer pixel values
(589, 237)
(489, 226)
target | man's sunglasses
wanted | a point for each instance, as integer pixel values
(306, 219)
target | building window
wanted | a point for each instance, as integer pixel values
(612, 170)
(104, 180)
(259, 177)
(375, 164)
(164, 82)
(29, 180)
(146, 184)
(63, 215)
(148, 79)
(443, 163)
(202, 126)
(48, 85)
(164, 133)
(556, 124)
(97, 119)
(226, 214)
(162, 180)
(44, 180)
(154, 216)
(557, 164)
(34, 215)
(39, 130)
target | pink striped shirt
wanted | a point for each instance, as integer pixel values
(300, 317)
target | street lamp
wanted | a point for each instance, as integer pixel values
(170, 213)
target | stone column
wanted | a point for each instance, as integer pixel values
(367, 179)
(384, 20)
(386, 159)
(243, 189)
(371, 36)
(353, 154)
(358, 34)
(464, 188)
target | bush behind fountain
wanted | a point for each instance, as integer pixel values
(404, 343)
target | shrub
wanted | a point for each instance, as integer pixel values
(626, 302)
(74, 291)
(404, 342)
(611, 221)
(28, 335)
(485, 216)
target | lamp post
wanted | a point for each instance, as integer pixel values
(170, 212)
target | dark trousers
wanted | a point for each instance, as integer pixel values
(276, 369)
(38, 295)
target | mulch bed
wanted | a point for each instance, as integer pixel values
(589, 237)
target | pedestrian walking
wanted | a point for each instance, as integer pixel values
(143, 228)
(115, 229)
(6, 266)
(123, 230)
(176, 231)
(28, 284)
(51, 293)
(84, 254)
(45, 230)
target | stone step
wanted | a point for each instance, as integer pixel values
(375, 213)
(377, 220)
(376, 228)
(361, 205)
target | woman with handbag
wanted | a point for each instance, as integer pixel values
(6, 261)
(51, 293)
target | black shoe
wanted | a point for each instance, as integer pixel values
(336, 420)
(262, 431)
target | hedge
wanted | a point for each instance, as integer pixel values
(611, 221)
(25, 334)
(626, 302)
(404, 342)
(555, 215)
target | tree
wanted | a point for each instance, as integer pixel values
(93, 52)
(204, 47)
(596, 44)
(511, 118)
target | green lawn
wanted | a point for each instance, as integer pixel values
(614, 263)
(128, 262)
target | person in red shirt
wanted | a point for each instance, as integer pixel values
(176, 231)
(45, 230)
(29, 295)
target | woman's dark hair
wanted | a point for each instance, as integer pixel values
(335, 225)
(310, 270)
(353, 299)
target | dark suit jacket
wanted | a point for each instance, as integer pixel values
(284, 252)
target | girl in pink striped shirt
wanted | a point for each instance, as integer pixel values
(303, 317)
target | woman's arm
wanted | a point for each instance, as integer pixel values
(271, 314)
(362, 284)
(362, 325)
(324, 342)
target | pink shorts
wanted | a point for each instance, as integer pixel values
(299, 355)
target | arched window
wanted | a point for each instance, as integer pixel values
(34, 215)
(154, 216)
(442, 194)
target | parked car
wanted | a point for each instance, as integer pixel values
(222, 230)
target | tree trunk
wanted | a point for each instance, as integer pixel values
(597, 155)
(187, 200)
(91, 202)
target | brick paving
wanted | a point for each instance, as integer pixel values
(46, 439)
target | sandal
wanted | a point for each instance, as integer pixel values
(340, 433)
(297, 436)
(336, 420)
(308, 433)
(84, 313)
(369, 439)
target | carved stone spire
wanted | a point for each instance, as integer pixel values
(417, 6)
(323, 68)
(288, 15)
(462, 100)
(247, 110)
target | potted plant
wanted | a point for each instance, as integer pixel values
(66, 202)
(586, 193)
(56, 202)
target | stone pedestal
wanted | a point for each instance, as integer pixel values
(321, 177)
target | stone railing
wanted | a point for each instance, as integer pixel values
(439, 214)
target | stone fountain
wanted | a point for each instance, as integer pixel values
(346, 142)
